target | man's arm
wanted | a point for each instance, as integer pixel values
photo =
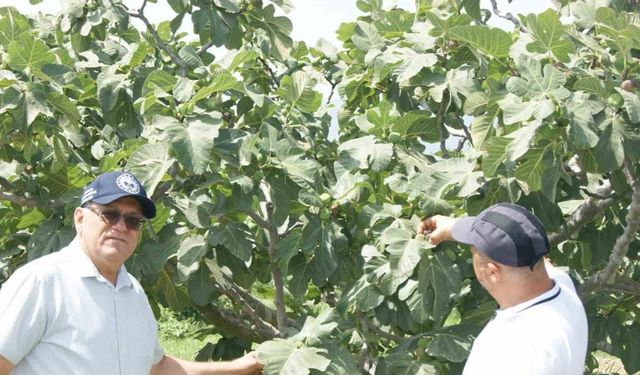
(5, 366)
(247, 365)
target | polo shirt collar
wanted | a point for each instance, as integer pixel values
(544, 297)
(84, 267)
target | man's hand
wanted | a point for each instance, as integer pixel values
(438, 228)
(248, 364)
(5, 366)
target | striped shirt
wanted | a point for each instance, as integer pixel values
(58, 315)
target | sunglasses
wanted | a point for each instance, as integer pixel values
(112, 217)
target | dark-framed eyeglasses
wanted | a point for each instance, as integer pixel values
(112, 216)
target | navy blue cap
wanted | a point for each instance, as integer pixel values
(506, 233)
(108, 187)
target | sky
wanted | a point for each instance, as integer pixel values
(312, 19)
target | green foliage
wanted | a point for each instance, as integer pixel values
(181, 334)
(302, 246)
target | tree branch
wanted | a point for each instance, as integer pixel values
(442, 128)
(508, 16)
(333, 86)
(13, 198)
(467, 134)
(272, 74)
(276, 273)
(174, 57)
(620, 285)
(585, 213)
(265, 312)
(258, 220)
(365, 360)
(204, 48)
(608, 275)
(387, 335)
(231, 325)
(19, 200)
(240, 295)
(250, 312)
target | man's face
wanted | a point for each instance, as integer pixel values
(108, 245)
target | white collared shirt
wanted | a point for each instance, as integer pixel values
(58, 315)
(546, 335)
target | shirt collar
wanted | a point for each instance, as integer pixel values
(82, 265)
(546, 296)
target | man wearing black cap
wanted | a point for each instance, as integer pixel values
(78, 310)
(541, 326)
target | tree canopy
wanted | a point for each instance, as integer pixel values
(307, 246)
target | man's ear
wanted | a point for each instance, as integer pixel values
(78, 218)
(494, 271)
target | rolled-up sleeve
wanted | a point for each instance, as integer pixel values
(22, 315)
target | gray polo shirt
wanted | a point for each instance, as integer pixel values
(58, 315)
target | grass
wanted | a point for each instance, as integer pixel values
(180, 334)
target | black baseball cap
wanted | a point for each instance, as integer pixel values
(506, 233)
(108, 187)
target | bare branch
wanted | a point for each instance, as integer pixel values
(620, 285)
(264, 311)
(608, 276)
(585, 213)
(22, 201)
(622, 243)
(7, 195)
(467, 133)
(333, 86)
(463, 134)
(230, 324)
(250, 312)
(205, 47)
(174, 57)
(442, 128)
(365, 361)
(629, 173)
(272, 74)
(461, 143)
(286, 232)
(387, 335)
(508, 16)
(276, 272)
(257, 219)
(597, 195)
(240, 295)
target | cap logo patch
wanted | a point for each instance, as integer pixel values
(128, 183)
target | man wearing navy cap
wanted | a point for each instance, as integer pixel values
(78, 311)
(541, 326)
